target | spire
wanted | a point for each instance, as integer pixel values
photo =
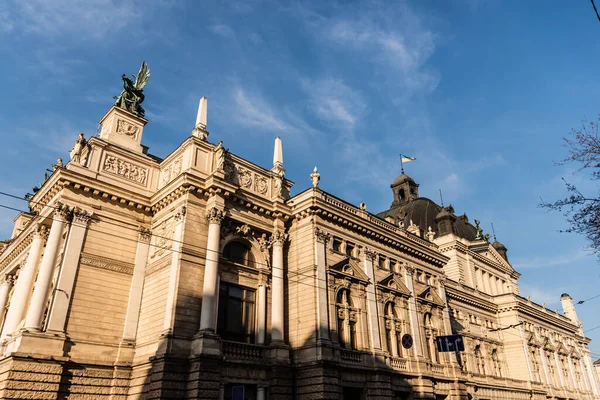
(278, 154)
(202, 110)
(201, 119)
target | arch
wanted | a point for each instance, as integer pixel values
(260, 258)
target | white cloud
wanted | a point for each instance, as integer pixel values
(331, 100)
(541, 295)
(568, 258)
(222, 30)
(392, 38)
(255, 112)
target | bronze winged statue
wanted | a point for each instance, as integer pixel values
(132, 95)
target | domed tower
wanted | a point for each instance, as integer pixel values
(500, 248)
(405, 189)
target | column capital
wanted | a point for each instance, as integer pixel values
(41, 231)
(370, 254)
(8, 279)
(145, 235)
(263, 279)
(180, 213)
(81, 216)
(214, 215)
(278, 238)
(322, 236)
(61, 212)
(409, 269)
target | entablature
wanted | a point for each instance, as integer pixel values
(316, 202)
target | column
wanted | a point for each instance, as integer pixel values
(5, 286)
(214, 216)
(277, 302)
(372, 314)
(39, 298)
(594, 381)
(137, 285)
(57, 317)
(561, 376)
(447, 329)
(176, 245)
(412, 312)
(321, 240)
(393, 338)
(20, 297)
(260, 393)
(262, 309)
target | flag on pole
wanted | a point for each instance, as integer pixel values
(403, 159)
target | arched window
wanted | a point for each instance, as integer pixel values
(479, 361)
(430, 334)
(346, 320)
(239, 253)
(393, 332)
(401, 194)
(496, 362)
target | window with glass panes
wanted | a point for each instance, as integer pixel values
(236, 313)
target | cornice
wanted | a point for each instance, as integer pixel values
(353, 218)
(534, 311)
(467, 298)
(15, 249)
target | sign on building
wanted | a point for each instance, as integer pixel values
(450, 343)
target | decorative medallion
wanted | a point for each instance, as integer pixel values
(260, 185)
(245, 177)
(127, 129)
(229, 171)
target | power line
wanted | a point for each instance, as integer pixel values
(170, 249)
(595, 10)
(591, 298)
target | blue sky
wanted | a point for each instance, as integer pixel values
(481, 92)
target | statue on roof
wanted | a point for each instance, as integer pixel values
(132, 95)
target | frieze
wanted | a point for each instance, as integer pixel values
(158, 265)
(229, 171)
(260, 185)
(127, 129)
(245, 177)
(125, 169)
(172, 171)
(107, 263)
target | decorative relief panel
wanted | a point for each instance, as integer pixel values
(125, 169)
(127, 129)
(172, 171)
(106, 263)
(245, 178)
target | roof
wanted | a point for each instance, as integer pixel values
(422, 212)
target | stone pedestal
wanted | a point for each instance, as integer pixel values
(123, 128)
(206, 343)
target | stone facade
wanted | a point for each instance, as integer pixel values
(198, 276)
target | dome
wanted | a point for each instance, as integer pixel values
(565, 295)
(401, 179)
(424, 213)
(498, 246)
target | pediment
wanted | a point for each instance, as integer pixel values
(349, 268)
(393, 283)
(562, 349)
(428, 294)
(533, 341)
(548, 345)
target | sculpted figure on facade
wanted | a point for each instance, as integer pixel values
(220, 152)
(132, 95)
(77, 149)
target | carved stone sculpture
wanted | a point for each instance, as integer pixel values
(78, 148)
(315, 177)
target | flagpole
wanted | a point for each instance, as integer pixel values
(401, 164)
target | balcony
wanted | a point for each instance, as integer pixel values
(351, 356)
(438, 369)
(241, 351)
(399, 364)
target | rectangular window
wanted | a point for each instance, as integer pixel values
(236, 313)
(336, 244)
(349, 249)
(382, 262)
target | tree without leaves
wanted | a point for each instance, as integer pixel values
(582, 212)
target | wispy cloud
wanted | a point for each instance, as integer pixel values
(550, 297)
(392, 38)
(222, 30)
(567, 258)
(92, 19)
(257, 113)
(333, 101)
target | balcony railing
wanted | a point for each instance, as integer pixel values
(351, 356)
(398, 363)
(242, 351)
(437, 369)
